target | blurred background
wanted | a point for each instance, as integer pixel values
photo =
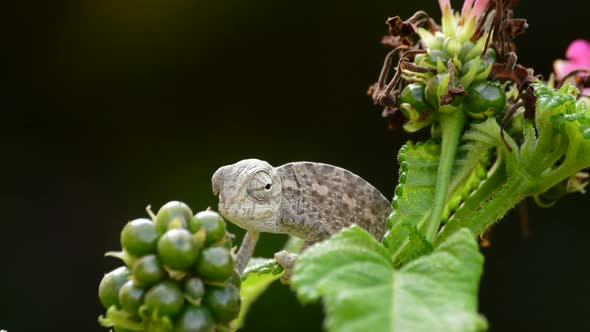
(111, 105)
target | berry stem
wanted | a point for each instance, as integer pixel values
(452, 127)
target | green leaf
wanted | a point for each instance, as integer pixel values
(555, 145)
(412, 203)
(121, 319)
(561, 146)
(362, 291)
(257, 278)
(414, 194)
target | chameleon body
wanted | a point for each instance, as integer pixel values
(304, 199)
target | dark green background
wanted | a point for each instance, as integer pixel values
(111, 105)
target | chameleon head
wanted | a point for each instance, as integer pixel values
(249, 194)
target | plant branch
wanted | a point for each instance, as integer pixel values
(452, 127)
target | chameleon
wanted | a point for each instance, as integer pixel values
(307, 200)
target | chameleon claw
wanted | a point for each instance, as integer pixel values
(287, 261)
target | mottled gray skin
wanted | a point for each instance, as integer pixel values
(304, 199)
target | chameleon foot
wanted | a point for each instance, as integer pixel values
(287, 261)
(246, 249)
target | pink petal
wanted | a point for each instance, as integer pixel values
(466, 8)
(479, 7)
(579, 52)
(562, 68)
(444, 4)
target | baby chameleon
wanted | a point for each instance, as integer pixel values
(303, 199)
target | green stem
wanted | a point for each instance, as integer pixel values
(500, 193)
(494, 209)
(467, 215)
(452, 127)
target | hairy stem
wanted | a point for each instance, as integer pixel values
(452, 127)
(494, 209)
(468, 213)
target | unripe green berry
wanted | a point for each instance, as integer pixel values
(194, 289)
(490, 56)
(148, 271)
(166, 298)
(139, 237)
(111, 283)
(223, 302)
(235, 279)
(413, 98)
(177, 249)
(195, 319)
(485, 99)
(131, 296)
(430, 92)
(215, 263)
(213, 224)
(172, 212)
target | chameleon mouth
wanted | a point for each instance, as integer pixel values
(247, 212)
(216, 181)
(260, 218)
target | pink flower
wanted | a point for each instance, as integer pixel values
(466, 8)
(463, 25)
(578, 57)
(444, 4)
(471, 11)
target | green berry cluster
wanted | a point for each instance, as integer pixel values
(178, 276)
(480, 98)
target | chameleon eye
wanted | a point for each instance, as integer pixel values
(260, 185)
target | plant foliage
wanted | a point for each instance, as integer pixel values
(363, 291)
